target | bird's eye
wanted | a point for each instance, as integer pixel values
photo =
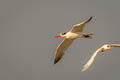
(108, 46)
(64, 33)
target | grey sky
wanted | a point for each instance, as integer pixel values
(27, 45)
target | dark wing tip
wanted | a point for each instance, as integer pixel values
(88, 20)
(90, 17)
(57, 59)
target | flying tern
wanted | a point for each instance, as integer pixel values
(69, 37)
(101, 49)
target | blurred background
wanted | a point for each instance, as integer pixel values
(28, 43)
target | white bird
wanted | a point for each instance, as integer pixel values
(74, 33)
(101, 49)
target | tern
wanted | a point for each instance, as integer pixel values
(69, 37)
(101, 49)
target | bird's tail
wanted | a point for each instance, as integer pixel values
(88, 35)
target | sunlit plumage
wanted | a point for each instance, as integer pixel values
(69, 37)
(101, 49)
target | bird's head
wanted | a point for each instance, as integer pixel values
(61, 35)
(106, 47)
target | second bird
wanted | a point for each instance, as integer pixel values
(101, 49)
(69, 37)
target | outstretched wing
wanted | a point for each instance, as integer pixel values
(115, 45)
(61, 48)
(90, 61)
(79, 27)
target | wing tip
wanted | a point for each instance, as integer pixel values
(91, 17)
(84, 68)
(56, 60)
(88, 20)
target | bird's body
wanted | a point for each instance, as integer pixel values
(69, 37)
(101, 49)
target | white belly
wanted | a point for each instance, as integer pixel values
(72, 35)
